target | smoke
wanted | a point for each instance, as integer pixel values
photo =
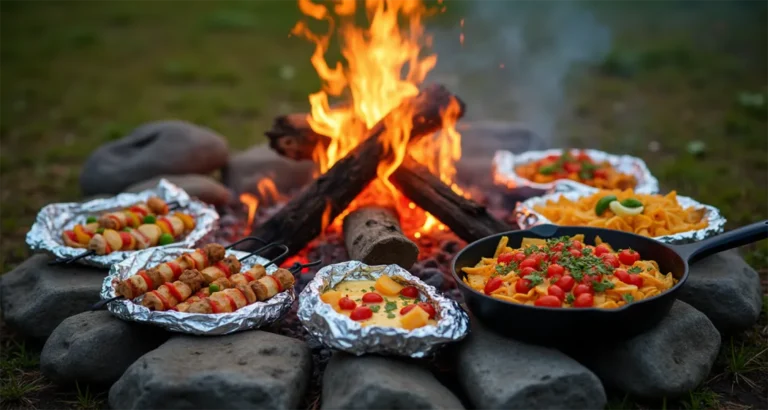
(517, 59)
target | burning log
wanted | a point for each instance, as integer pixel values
(303, 217)
(373, 235)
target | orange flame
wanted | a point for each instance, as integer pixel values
(252, 203)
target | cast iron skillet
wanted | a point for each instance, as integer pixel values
(553, 326)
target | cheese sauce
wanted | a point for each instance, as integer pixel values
(385, 313)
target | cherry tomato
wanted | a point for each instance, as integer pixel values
(584, 300)
(636, 280)
(623, 276)
(628, 256)
(541, 257)
(553, 157)
(572, 166)
(565, 283)
(346, 303)
(522, 285)
(575, 252)
(427, 307)
(548, 301)
(577, 245)
(583, 157)
(601, 250)
(611, 260)
(527, 271)
(582, 288)
(410, 292)
(558, 247)
(588, 279)
(493, 284)
(557, 292)
(505, 257)
(600, 173)
(530, 262)
(518, 257)
(372, 297)
(407, 309)
(361, 313)
(554, 258)
(555, 270)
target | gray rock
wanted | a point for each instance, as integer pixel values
(251, 369)
(247, 168)
(726, 289)
(157, 148)
(669, 360)
(500, 373)
(203, 187)
(36, 297)
(375, 382)
(96, 348)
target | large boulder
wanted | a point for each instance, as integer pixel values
(153, 149)
(375, 382)
(247, 168)
(248, 370)
(726, 289)
(96, 348)
(36, 297)
(202, 187)
(496, 372)
(667, 361)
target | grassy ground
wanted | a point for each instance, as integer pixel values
(684, 87)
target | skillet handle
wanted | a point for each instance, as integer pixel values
(731, 239)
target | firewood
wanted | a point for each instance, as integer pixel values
(373, 236)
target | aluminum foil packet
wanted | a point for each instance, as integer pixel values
(54, 219)
(527, 217)
(505, 162)
(249, 317)
(340, 332)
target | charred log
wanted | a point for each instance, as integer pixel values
(373, 236)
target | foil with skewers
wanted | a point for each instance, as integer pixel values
(54, 219)
(251, 316)
(340, 332)
(527, 217)
(505, 163)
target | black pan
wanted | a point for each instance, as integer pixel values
(557, 326)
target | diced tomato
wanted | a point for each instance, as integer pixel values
(553, 157)
(213, 305)
(505, 257)
(175, 268)
(163, 300)
(548, 301)
(584, 300)
(107, 249)
(575, 252)
(572, 166)
(628, 256)
(232, 303)
(601, 250)
(372, 297)
(558, 247)
(527, 271)
(541, 257)
(522, 285)
(248, 276)
(518, 257)
(278, 285)
(138, 210)
(206, 262)
(531, 262)
(346, 303)
(582, 156)
(554, 258)
(555, 270)
(611, 260)
(565, 283)
(588, 279)
(127, 239)
(577, 245)
(556, 291)
(582, 288)
(636, 280)
(600, 173)
(409, 292)
(361, 313)
(623, 276)
(174, 291)
(224, 268)
(147, 280)
(71, 235)
(427, 307)
(492, 285)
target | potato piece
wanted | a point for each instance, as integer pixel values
(387, 286)
(331, 297)
(113, 239)
(414, 319)
(532, 241)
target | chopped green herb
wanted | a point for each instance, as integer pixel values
(629, 298)
(390, 306)
(602, 286)
(586, 251)
(535, 278)
(530, 250)
(634, 269)
(391, 315)
(505, 269)
(548, 169)
(374, 308)
(405, 303)
(372, 288)
(569, 299)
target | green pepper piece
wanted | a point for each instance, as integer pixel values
(91, 219)
(585, 174)
(100, 230)
(165, 239)
(149, 219)
(631, 203)
(213, 287)
(548, 169)
(602, 204)
(127, 229)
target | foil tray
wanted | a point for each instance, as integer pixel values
(252, 316)
(505, 162)
(53, 219)
(527, 217)
(340, 332)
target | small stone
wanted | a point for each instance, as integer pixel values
(432, 277)
(205, 372)
(374, 382)
(246, 169)
(37, 297)
(450, 246)
(726, 289)
(203, 187)
(96, 348)
(501, 373)
(669, 360)
(153, 149)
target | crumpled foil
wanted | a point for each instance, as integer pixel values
(505, 162)
(249, 317)
(340, 332)
(527, 217)
(54, 219)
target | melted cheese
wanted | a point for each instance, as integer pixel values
(355, 291)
